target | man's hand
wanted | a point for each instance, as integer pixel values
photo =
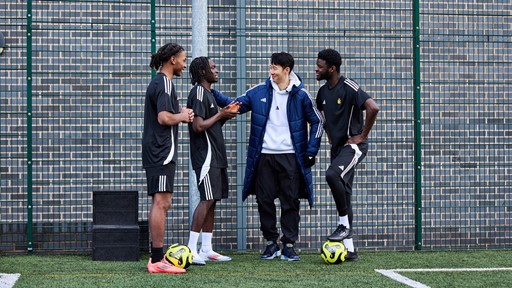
(230, 111)
(187, 115)
(358, 139)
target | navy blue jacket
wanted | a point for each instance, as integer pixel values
(301, 111)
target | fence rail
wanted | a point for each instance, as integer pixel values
(72, 85)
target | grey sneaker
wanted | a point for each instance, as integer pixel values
(271, 251)
(340, 233)
(288, 253)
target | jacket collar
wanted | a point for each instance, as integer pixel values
(295, 83)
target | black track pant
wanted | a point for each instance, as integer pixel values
(278, 176)
(340, 175)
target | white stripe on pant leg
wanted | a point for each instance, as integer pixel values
(354, 161)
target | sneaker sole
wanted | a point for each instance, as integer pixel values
(277, 254)
(152, 271)
(338, 239)
(288, 259)
(352, 259)
(217, 260)
(198, 263)
(157, 272)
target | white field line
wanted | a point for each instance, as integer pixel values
(392, 273)
(452, 269)
(8, 280)
(402, 279)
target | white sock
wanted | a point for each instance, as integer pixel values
(349, 244)
(344, 221)
(192, 241)
(206, 246)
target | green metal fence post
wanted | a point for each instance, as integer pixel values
(417, 122)
(241, 129)
(153, 32)
(29, 128)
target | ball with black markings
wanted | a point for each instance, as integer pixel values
(179, 255)
(333, 252)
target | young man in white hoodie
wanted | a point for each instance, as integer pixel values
(286, 131)
(278, 172)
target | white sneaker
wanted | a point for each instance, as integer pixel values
(197, 260)
(213, 256)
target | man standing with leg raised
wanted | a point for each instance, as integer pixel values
(343, 103)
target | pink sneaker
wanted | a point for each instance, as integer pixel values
(164, 267)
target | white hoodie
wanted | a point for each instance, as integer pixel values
(277, 139)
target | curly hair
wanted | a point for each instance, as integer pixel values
(331, 57)
(199, 68)
(163, 54)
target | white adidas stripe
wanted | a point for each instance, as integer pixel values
(318, 133)
(161, 183)
(200, 93)
(352, 84)
(168, 85)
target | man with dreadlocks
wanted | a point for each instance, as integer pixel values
(162, 115)
(208, 154)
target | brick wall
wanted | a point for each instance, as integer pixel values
(90, 70)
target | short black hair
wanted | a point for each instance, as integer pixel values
(331, 57)
(282, 59)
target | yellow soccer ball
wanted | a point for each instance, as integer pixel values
(333, 252)
(179, 255)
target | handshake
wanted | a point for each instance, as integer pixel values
(231, 110)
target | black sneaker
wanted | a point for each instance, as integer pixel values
(340, 233)
(351, 257)
(288, 253)
(271, 251)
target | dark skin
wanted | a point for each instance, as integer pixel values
(199, 124)
(203, 218)
(161, 202)
(174, 67)
(327, 72)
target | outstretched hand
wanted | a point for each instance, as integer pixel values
(231, 110)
